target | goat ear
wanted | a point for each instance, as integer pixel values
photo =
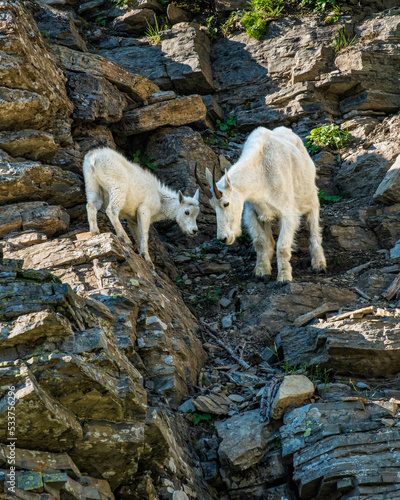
(209, 177)
(228, 181)
(196, 195)
(181, 197)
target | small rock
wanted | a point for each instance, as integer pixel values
(226, 321)
(388, 422)
(179, 495)
(187, 406)
(236, 398)
(294, 390)
(225, 302)
(362, 385)
(177, 15)
(247, 379)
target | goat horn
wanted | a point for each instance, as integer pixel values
(202, 185)
(217, 192)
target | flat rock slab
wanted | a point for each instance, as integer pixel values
(244, 440)
(177, 112)
(27, 99)
(46, 424)
(351, 346)
(342, 446)
(294, 390)
(31, 144)
(58, 27)
(138, 87)
(187, 52)
(389, 189)
(33, 216)
(23, 181)
(95, 98)
(214, 403)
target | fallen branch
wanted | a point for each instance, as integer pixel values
(393, 289)
(212, 333)
(270, 389)
(357, 314)
(242, 351)
(360, 292)
(304, 319)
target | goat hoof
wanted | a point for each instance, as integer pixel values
(263, 279)
(281, 284)
(320, 271)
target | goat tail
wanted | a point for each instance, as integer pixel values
(89, 163)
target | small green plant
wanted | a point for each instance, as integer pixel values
(341, 41)
(200, 417)
(311, 148)
(179, 281)
(227, 126)
(278, 443)
(120, 3)
(329, 136)
(153, 33)
(101, 21)
(212, 30)
(326, 200)
(318, 5)
(148, 162)
(259, 12)
(213, 296)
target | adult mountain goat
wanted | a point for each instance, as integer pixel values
(129, 192)
(274, 179)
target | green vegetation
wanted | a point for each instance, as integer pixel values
(229, 126)
(319, 5)
(329, 136)
(153, 33)
(212, 29)
(326, 200)
(147, 163)
(259, 12)
(341, 40)
(120, 3)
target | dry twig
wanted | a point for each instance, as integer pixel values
(363, 294)
(212, 333)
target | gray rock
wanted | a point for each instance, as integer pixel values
(388, 189)
(294, 390)
(177, 15)
(244, 440)
(322, 438)
(226, 321)
(58, 27)
(95, 98)
(350, 346)
(187, 52)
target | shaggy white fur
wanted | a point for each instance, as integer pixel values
(274, 179)
(129, 192)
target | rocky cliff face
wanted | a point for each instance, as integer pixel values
(114, 380)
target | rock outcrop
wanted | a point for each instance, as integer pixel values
(194, 380)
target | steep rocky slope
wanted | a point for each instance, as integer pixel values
(114, 373)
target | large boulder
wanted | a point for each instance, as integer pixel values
(28, 100)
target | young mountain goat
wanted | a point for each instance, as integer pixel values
(274, 179)
(129, 192)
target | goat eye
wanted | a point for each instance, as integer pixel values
(226, 204)
(187, 212)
